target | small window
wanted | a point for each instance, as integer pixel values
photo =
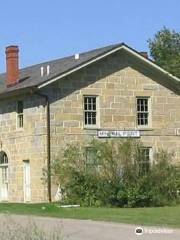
(90, 110)
(143, 111)
(20, 108)
(144, 162)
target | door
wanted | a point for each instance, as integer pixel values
(27, 182)
(4, 183)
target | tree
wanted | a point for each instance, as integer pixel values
(165, 50)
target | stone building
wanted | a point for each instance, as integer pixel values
(113, 91)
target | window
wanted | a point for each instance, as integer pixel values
(90, 156)
(90, 110)
(92, 162)
(144, 162)
(3, 158)
(143, 111)
(20, 107)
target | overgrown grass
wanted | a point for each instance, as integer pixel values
(161, 216)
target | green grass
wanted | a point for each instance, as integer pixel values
(160, 216)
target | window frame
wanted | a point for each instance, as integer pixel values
(19, 115)
(5, 159)
(91, 126)
(4, 168)
(149, 123)
(150, 159)
(91, 164)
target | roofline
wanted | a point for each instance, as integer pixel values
(17, 92)
(123, 46)
(79, 67)
(149, 61)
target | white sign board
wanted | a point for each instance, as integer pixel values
(118, 134)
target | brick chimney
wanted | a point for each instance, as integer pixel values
(144, 54)
(12, 65)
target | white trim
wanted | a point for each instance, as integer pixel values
(27, 185)
(18, 128)
(92, 126)
(107, 54)
(4, 183)
(149, 125)
(151, 154)
(151, 63)
(78, 68)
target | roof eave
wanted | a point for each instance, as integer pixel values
(18, 92)
(122, 46)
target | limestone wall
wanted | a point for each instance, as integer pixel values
(27, 143)
(117, 82)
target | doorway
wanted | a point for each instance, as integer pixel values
(3, 176)
(26, 181)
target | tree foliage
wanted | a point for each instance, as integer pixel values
(165, 50)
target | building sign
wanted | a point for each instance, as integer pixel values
(118, 134)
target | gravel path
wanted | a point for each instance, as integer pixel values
(92, 230)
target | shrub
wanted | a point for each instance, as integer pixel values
(110, 173)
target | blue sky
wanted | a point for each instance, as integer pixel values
(46, 30)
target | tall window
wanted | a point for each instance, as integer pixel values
(20, 108)
(90, 110)
(143, 111)
(90, 157)
(92, 161)
(144, 162)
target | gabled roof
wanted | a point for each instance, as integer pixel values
(30, 77)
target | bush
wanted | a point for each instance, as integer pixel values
(110, 174)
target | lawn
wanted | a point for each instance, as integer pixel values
(160, 216)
